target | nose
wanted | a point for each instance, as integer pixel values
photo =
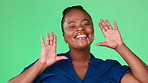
(81, 28)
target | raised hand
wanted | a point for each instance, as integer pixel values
(48, 53)
(112, 35)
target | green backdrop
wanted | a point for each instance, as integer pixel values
(22, 22)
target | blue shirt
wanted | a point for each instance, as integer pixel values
(99, 71)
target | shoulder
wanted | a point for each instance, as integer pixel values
(106, 63)
(60, 54)
(110, 65)
(112, 69)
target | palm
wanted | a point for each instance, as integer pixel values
(112, 36)
(48, 53)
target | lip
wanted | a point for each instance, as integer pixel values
(81, 36)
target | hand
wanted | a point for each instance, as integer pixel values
(112, 36)
(48, 53)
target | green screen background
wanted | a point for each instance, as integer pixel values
(22, 22)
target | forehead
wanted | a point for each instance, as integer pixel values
(76, 15)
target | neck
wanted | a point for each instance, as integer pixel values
(80, 55)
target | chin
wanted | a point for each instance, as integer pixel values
(81, 45)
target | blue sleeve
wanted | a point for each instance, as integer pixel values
(118, 71)
(29, 66)
(36, 80)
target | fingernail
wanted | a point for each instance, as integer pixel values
(51, 33)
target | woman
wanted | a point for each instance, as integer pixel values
(79, 65)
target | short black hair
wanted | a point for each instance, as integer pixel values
(68, 9)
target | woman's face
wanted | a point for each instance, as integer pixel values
(78, 29)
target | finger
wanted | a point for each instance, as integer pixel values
(108, 24)
(104, 25)
(58, 58)
(47, 39)
(51, 38)
(53, 47)
(42, 41)
(101, 27)
(101, 44)
(54, 42)
(115, 25)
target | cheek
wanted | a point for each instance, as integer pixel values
(91, 31)
(68, 36)
(68, 33)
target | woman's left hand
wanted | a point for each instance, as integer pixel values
(112, 35)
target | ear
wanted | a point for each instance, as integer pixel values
(64, 38)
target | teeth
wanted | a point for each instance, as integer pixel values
(79, 36)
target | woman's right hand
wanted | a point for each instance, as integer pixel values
(48, 54)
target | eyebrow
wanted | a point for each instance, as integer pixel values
(85, 20)
(72, 22)
(81, 21)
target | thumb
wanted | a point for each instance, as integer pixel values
(101, 44)
(58, 58)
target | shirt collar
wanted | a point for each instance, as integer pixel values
(93, 59)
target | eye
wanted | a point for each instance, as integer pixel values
(73, 26)
(86, 24)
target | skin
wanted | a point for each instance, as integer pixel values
(80, 50)
(113, 40)
(78, 22)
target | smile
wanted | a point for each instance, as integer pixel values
(81, 36)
